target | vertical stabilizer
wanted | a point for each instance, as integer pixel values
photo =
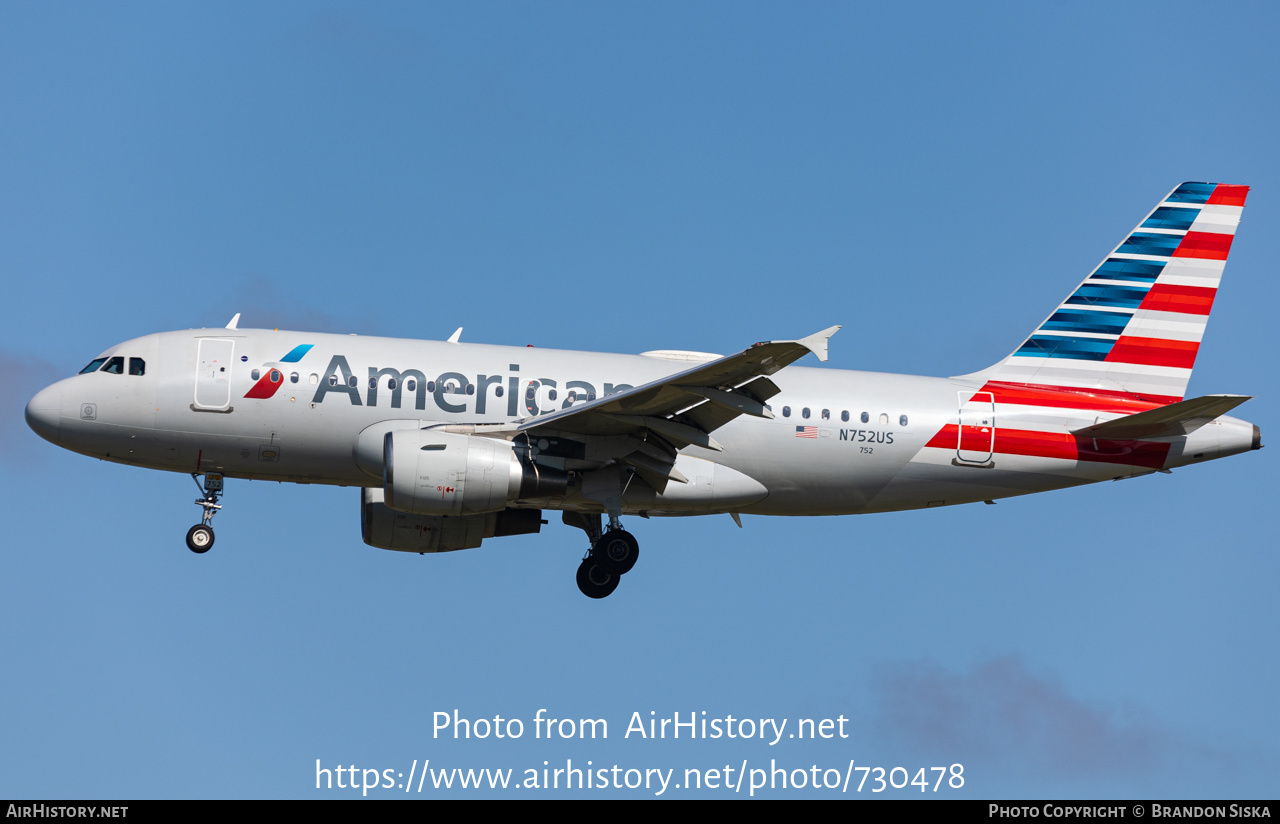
(1134, 325)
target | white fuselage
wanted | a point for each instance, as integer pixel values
(878, 442)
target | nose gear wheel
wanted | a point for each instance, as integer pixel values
(200, 536)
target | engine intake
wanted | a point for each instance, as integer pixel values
(433, 472)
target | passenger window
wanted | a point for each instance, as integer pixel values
(391, 384)
(255, 374)
(276, 377)
(902, 420)
(315, 379)
(804, 413)
(373, 383)
(333, 380)
(826, 414)
(411, 385)
(498, 391)
(137, 366)
(293, 378)
(471, 390)
(844, 416)
(884, 419)
(93, 366)
(352, 382)
(865, 417)
(786, 411)
(115, 366)
(551, 395)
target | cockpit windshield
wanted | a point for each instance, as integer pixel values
(115, 366)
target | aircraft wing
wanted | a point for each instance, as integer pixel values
(681, 409)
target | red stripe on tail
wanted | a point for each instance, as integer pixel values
(1228, 195)
(1154, 352)
(1204, 245)
(1191, 300)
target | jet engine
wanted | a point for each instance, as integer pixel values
(432, 472)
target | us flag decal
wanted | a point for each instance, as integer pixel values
(806, 431)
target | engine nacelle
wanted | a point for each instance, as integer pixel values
(385, 528)
(432, 472)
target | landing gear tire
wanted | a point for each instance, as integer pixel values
(200, 538)
(595, 581)
(617, 551)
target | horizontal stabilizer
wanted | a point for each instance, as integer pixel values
(1172, 421)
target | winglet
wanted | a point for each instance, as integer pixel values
(234, 321)
(817, 343)
(454, 337)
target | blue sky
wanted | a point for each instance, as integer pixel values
(624, 177)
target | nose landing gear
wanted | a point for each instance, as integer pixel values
(200, 536)
(199, 539)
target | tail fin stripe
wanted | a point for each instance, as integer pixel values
(1192, 272)
(1220, 219)
(1150, 243)
(1120, 297)
(1076, 348)
(1227, 194)
(1098, 322)
(1166, 325)
(1193, 193)
(1172, 217)
(1208, 245)
(1154, 352)
(1190, 300)
(1128, 269)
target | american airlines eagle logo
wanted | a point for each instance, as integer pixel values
(269, 383)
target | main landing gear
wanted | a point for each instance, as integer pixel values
(613, 553)
(200, 536)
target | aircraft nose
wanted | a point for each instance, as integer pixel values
(44, 412)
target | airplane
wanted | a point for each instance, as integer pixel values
(452, 443)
